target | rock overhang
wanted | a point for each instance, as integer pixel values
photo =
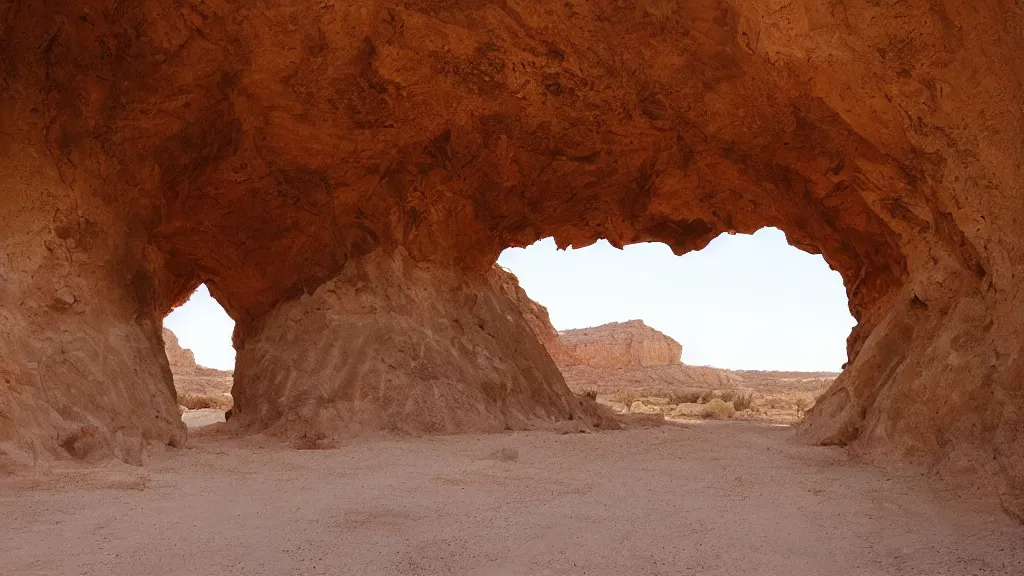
(269, 152)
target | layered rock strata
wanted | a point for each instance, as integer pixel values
(619, 345)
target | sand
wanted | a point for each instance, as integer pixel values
(712, 498)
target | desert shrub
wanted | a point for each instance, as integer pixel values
(626, 397)
(718, 409)
(801, 404)
(777, 402)
(756, 405)
(592, 394)
(742, 401)
(707, 397)
(688, 397)
(201, 401)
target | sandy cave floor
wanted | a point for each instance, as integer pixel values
(713, 498)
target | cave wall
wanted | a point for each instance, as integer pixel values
(82, 368)
(269, 150)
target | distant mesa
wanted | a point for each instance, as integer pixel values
(619, 345)
(633, 356)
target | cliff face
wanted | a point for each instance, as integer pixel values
(268, 149)
(619, 345)
(181, 360)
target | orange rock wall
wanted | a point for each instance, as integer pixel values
(82, 367)
(265, 149)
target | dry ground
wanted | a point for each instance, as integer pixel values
(777, 406)
(778, 397)
(711, 498)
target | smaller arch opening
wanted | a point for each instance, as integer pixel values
(749, 320)
(197, 340)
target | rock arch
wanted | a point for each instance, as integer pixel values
(343, 176)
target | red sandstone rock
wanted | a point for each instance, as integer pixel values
(272, 150)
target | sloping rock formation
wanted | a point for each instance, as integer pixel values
(536, 316)
(683, 378)
(396, 344)
(619, 345)
(280, 151)
(630, 355)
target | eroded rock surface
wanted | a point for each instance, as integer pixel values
(269, 150)
(395, 344)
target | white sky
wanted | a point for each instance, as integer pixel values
(743, 302)
(204, 327)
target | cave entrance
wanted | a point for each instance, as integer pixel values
(197, 339)
(762, 325)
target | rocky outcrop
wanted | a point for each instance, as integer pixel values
(191, 378)
(619, 345)
(395, 344)
(83, 372)
(633, 356)
(269, 149)
(181, 360)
